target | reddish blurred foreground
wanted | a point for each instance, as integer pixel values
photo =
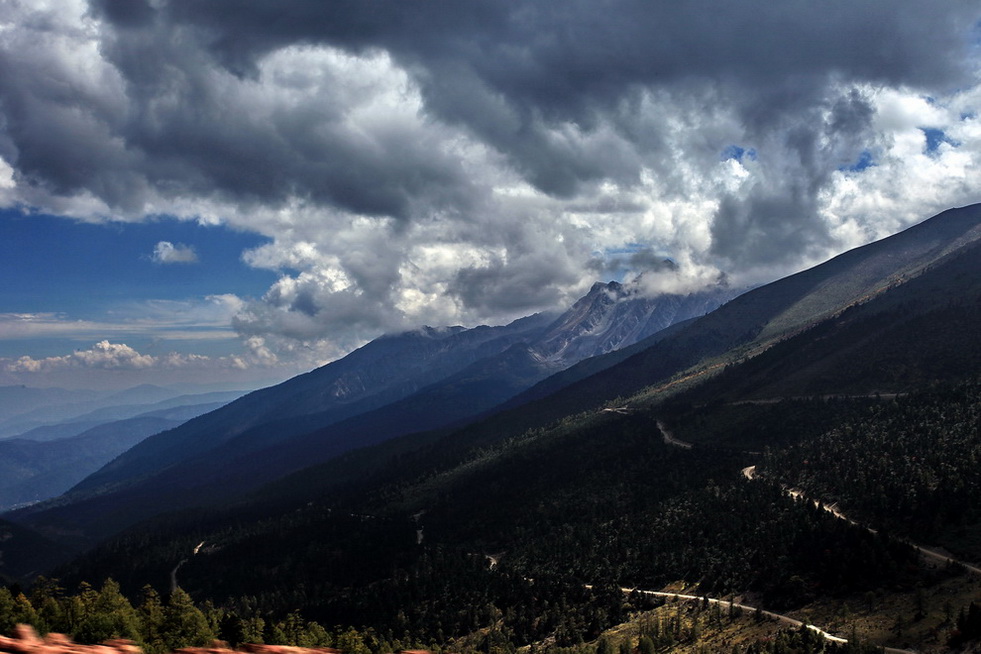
(26, 641)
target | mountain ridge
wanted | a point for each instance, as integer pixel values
(254, 451)
(748, 324)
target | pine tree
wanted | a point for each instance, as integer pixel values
(151, 614)
(109, 615)
(7, 618)
(252, 630)
(183, 623)
(24, 612)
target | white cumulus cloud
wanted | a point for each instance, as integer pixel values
(106, 355)
(167, 252)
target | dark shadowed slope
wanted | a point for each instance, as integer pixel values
(24, 553)
(382, 371)
(237, 449)
(916, 333)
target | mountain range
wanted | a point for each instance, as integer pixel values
(390, 468)
(415, 381)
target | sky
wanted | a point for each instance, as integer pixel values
(236, 191)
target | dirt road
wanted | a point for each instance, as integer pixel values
(749, 472)
(669, 438)
(729, 605)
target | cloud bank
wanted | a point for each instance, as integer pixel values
(116, 364)
(450, 163)
(207, 318)
(104, 355)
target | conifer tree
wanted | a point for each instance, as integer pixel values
(7, 618)
(24, 613)
(183, 623)
(151, 614)
(109, 615)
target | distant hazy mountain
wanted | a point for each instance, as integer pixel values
(57, 431)
(181, 408)
(35, 470)
(23, 408)
(16, 400)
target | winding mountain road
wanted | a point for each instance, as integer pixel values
(173, 573)
(749, 472)
(669, 438)
(729, 605)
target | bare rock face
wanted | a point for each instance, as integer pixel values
(613, 315)
(26, 641)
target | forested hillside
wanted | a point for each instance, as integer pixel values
(909, 466)
(600, 501)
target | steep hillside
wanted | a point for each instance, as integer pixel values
(416, 381)
(922, 331)
(178, 468)
(383, 371)
(764, 316)
(25, 554)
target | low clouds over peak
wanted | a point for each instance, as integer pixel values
(458, 163)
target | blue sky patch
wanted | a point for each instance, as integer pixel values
(865, 160)
(51, 264)
(737, 152)
(934, 137)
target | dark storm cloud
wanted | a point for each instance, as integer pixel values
(125, 13)
(520, 287)
(708, 131)
(171, 125)
(556, 55)
(508, 70)
(779, 222)
(765, 228)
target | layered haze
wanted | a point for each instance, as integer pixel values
(410, 163)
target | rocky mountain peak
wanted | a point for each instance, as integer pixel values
(614, 315)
